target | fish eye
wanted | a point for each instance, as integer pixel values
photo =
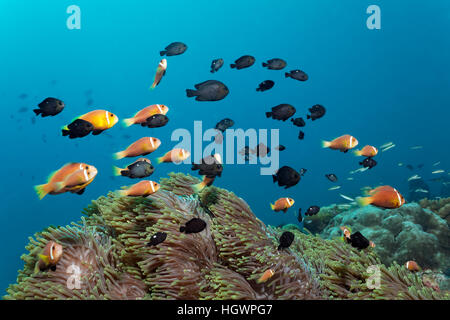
(87, 167)
(111, 115)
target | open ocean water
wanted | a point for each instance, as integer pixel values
(382, 85)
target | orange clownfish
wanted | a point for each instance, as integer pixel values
(206, 182)
(73, 177)
(383, 197)
(101, 120)
(49, 257)
(343, 143)
(142, 116)
(347, 233)
(412, 266)
(160, 72)
(367, 151)
(141, 147)
(282, 204)
(266, 276)
(175, 155)
(141, 189)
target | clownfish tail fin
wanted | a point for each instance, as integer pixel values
(364, 201)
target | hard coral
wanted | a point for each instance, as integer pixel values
(406, 233)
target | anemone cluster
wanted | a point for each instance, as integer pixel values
(106, 255)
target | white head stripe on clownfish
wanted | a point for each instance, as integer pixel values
(107, 117)
(151, 142)
(398, 196)
(153, 187)
(159, 108)
(51, 252)
(183, 153)
(85, 174)
(81, 166)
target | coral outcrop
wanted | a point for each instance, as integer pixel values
(402, 234)
(438, 206)
(108, 250)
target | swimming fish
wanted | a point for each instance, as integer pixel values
(209, 166)
(334, 188)
(387, 144)
(210, 90)
(281, 112)
(157, 238)
(282, 204)
(342, 143)
(139, 169)
(384, 197)
(416, 147)
(174, 49)
(412, 266)
(436, 164)
(143, 188)
(438, 171)
(346, 197)
(261, 150)
(301, 135)
(280, 147)
(332, 177)
(100, 119)
(265, 85)
(421, 190)
(286, 240)
(357, 240)
(297, 75)
(78, 129)
(222, 126)
(142, 116)
(388, 148)
(286, 176)
(49, 258)
(265, 276)
(216, 65)
(347, 231)
(368, 163)
(141, 147)
(366, 151)
(206, 182)
(312, 211)
(299, 122)
(49, 107)
(243, 62)
(72, 177)
(156, 121)
(414, 177)
(275, 64)
(299, 217)
(317, 111)
(195, 225)
(160, 72)
(175, 155)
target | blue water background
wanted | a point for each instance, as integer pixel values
(378, 85)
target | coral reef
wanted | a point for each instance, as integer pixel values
(109, 251)
(438, 206)
(406, 233)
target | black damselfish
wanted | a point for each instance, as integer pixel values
(286, 176)
(195, 225)
(49, 107)
(368, 163)
(265, 85)
(157, 238)
(78, 129)
(286, 240)
(312, 211)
